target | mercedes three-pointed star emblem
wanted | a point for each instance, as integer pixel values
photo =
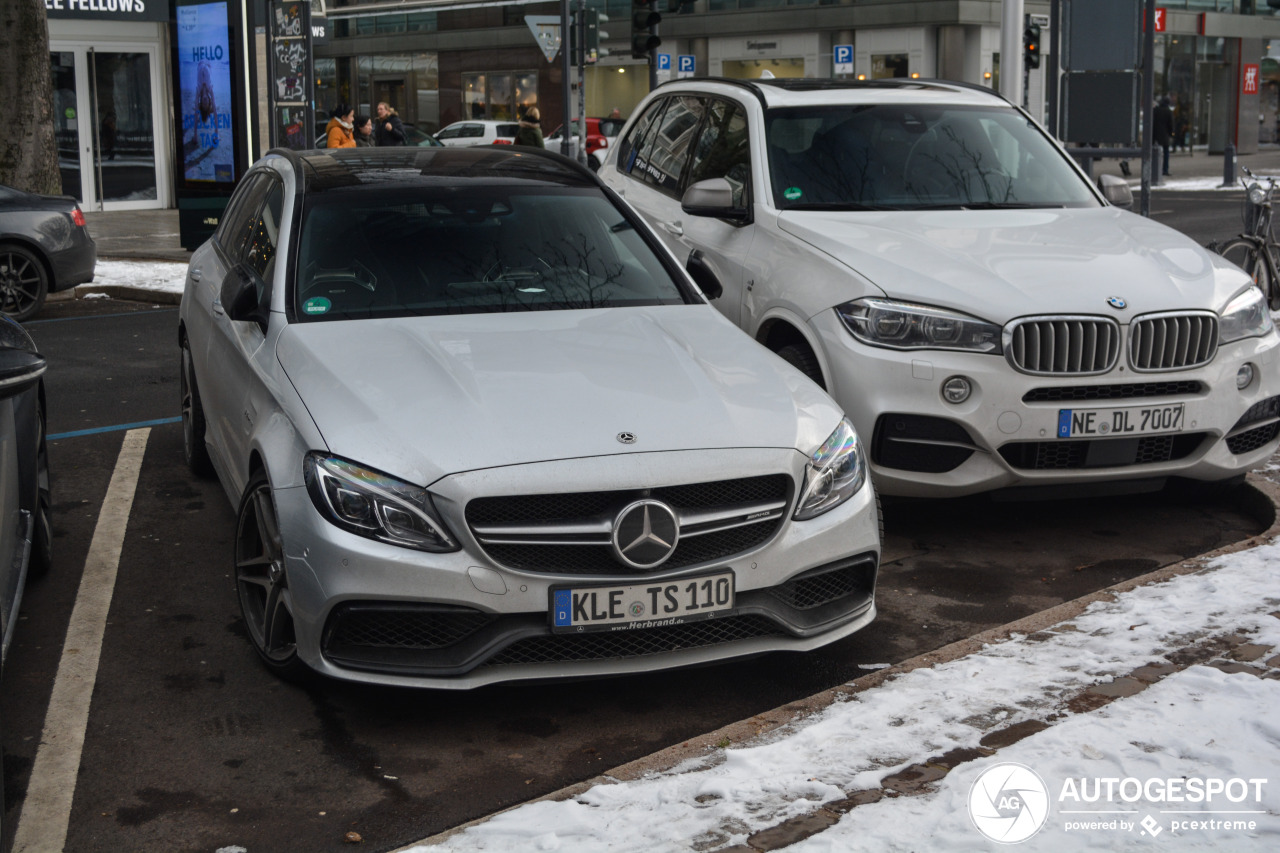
(645, 534)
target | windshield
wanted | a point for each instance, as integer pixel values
(421, 250)
(906, 156)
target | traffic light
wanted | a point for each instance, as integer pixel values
(595, 35)
(644, 18)
(1031, 45)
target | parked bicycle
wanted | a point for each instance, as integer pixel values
(1256, 250)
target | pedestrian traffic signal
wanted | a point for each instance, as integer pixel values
(595, 35)
(1031, 45)
(644, 22)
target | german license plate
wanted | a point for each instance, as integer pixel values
(632, 607)
(1134, 420)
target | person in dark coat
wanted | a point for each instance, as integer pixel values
(363, 132)
(530, 132)
(388, 129)
(1162, 129)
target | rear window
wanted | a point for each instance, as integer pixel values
(428, 250)
(507, 129)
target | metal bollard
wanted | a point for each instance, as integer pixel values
(1229, 165)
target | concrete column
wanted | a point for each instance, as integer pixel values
(951, 52)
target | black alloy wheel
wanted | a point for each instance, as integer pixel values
(24, 284)
(194, 450)
(262, 584)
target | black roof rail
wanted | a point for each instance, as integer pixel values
(808, 84)
(749, 85)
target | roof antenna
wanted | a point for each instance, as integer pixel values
(766, 74)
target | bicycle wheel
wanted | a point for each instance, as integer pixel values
(1244, 254)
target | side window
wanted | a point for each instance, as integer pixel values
(449, 133)
(723, 150)
(472, 130)
(264, 235)
(633, 143)
(669, 147)
(243, 217)
(233, 215)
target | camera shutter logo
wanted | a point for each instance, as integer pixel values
(1009, 803)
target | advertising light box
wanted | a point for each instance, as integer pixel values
(207, 139)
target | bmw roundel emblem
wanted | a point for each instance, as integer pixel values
(1116, 302)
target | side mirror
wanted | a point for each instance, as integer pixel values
(702, 275)
(712, 197)
(239, 297)
(19, 370)
(1116, 190)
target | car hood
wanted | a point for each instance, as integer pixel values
(423, 397)
(1002, 264)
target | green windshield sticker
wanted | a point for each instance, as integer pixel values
(316, 305)
(792, 193)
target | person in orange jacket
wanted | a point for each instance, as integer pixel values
(338, 131)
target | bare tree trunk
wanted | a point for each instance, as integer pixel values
(28, 153)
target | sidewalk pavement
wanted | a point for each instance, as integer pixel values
(1138, 691)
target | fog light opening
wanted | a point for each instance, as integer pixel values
(1244, 376)
(956, 389)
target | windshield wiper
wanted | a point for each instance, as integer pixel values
(1005, 205)
(839, 205)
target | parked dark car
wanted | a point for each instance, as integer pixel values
(44, 247)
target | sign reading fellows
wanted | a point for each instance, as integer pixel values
(108, 10)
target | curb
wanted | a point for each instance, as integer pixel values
(1262, 501)
(117, 291)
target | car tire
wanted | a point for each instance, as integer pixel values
(193, 423)
(262, 584)
(42, 536)
(24, 284)
(802, 359)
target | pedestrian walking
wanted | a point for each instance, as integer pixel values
(389, 130)
(529, 133)
(364, 132)
(338, 131)
(1162, 129)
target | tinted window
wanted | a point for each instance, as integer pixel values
(472, 130)
(911, 156)
(448, 250)
(723, 149)
(667, 149)
(243, 208)
(507, 129)
(634, 142)
(264, 234)
(451, 132)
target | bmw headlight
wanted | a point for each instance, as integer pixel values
(834, 474)
(1246, 316)
(371, 504)
(904, 325)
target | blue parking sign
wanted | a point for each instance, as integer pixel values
(687, 63)
(664, 62)
(842, 54)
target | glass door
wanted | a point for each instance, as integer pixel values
(105, 102)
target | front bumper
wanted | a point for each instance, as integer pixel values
(1006, 433)
(371, 612)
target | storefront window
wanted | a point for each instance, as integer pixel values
(888, 65)
(502, 96)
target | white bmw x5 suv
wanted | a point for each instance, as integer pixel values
(929, 255)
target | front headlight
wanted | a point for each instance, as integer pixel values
(903, 325)
(1246, 316)
(371, 504)
(835, 473)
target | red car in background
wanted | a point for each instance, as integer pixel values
(600, 135)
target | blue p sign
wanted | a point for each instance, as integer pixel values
(844, 53)
(686, 63)
(664, 62)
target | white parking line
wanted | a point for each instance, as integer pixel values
(46, 811)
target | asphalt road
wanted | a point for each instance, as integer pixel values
(192, 746)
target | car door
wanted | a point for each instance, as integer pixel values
(722, 149)
(229, 398)
(653, 159)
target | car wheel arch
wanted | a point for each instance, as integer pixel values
(35, 249)
(777, 333)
